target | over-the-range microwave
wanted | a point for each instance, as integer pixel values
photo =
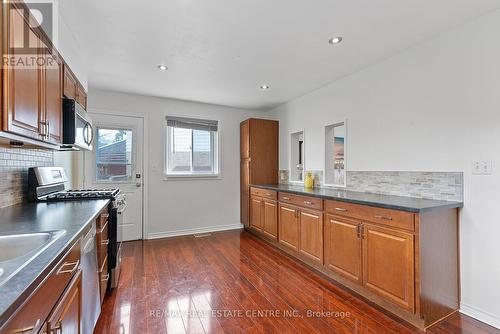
(78, 131)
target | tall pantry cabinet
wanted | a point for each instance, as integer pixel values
(259, 146)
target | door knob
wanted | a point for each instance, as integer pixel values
(138, 185)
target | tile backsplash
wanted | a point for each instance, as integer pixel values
(431, 185)
(14, 164)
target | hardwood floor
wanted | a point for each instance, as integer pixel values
(232, 282)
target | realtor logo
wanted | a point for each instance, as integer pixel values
(30, 28)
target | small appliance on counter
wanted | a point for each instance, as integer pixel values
(46, 184)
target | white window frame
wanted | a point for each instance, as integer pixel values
(193, 176)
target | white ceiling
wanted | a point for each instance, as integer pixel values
(221, 51)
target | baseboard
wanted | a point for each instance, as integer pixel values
(486, 317)
(217, 228)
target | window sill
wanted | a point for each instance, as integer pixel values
(188, 177)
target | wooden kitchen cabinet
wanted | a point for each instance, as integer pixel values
(70, 84)
(264, 213)
(311, 234)
(53, 83)
(270, 215)
(289, 227)
(81, 96)
(388, 264)
(22, 94)
(66, 316)
(31, 93)
(343, 247)
(256, 212)
(259, 158)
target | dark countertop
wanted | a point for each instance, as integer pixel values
(72, 216)
(409, 204)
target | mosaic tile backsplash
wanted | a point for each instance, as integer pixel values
(14, 164)
(447, 186)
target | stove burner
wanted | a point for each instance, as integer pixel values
(83, 194)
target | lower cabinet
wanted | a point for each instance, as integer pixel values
(379, 258)
(264, 216)
(388, 264)
(343, 247)
(289, 227)
(270, 214)
(256, 213)
(66, 316)
(311, 234)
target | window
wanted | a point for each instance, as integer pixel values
(191, 147)
(114, 155)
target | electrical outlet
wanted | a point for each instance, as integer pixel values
(482, 167)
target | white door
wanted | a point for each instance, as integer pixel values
(117, 162)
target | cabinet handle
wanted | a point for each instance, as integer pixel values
(105, 242)
(43, 129)
(70, 271)
(48, 130)
(286, 198)
(102, 229)
(27, 329)
(362, 229)
(307, 202)
(340, 209)
(383, 217)
(358, 231)
(105, 278)
(268, 194)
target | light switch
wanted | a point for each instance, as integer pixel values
(482, 167)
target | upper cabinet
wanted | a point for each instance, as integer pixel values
(73, 89)
(22, 85)
(34, 80)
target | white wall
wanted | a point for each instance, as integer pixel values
(184, 206)
(434, 107)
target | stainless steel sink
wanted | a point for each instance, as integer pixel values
(17, 250)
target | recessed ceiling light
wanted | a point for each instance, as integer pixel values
(264, 87)
(163, 67)
(335, 40)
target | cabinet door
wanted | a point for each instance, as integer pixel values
(289, 227)
(244, 191)
(244, 211)
(388, 264)
(343, 247)
(271, 219)
(245, 139)
(256, 213)
(66, 317)
(70, 86)
(81, 97)
(53, 97)
(22, 84)
(311, 235)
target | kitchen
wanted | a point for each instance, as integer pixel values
(335, 176)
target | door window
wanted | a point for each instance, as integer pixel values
(114, 155)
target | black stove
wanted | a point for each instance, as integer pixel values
(46, 184)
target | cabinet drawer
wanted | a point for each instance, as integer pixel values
(30, 317)
(388, 217)
(102, 242)
(303, 201)
(271, 194)
(103, 279)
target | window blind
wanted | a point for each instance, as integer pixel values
(192, 123)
